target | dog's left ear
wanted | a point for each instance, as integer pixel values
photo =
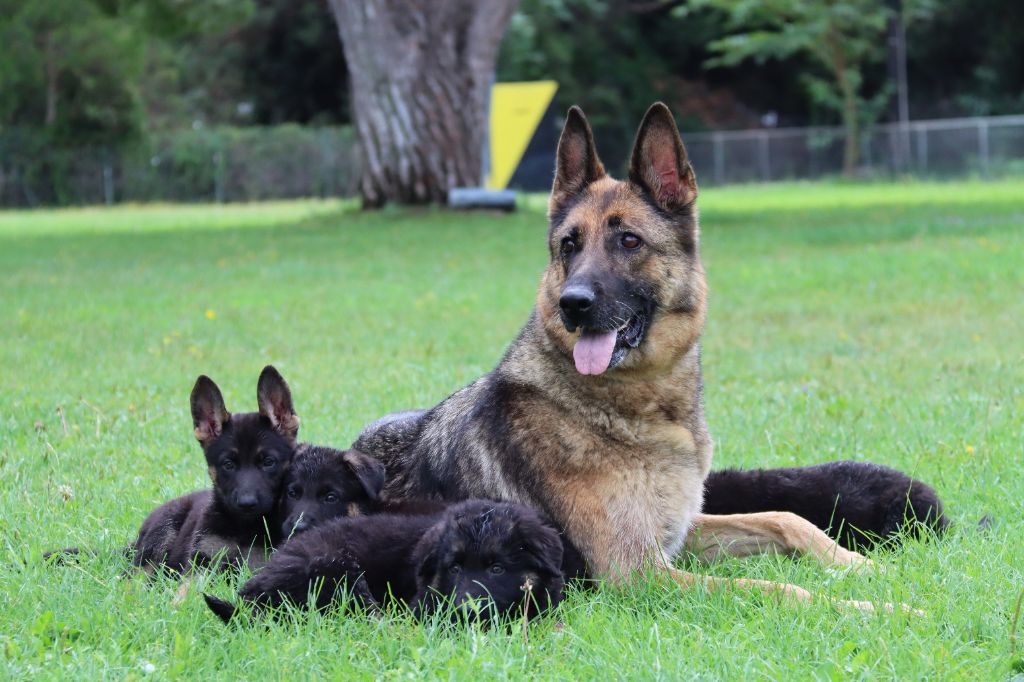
(367, 470)
(659, 164)
(275, 401)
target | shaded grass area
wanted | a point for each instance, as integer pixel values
(879, 322)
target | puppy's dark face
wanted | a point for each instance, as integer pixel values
(247, 454)
(490, 559)
(323, 484)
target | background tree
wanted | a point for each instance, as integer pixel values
(842, 36)
(420, 77)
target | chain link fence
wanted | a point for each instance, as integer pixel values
(985, 147)
(249, 164)
(218, 164)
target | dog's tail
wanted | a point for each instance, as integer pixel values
(225, 610)
(62, 556)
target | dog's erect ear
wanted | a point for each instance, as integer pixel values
(368, 470)
(275, 401)
(576, 163)
(225, 610)
(208, 412)
(659, 164)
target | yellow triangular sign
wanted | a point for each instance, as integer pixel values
(516, 110)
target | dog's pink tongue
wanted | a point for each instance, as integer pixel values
(593, 352)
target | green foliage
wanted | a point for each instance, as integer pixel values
(866, 321)
(71, 69)
(843, 38)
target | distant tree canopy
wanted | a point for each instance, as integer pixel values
(104, 72)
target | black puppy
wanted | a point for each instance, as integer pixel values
(841, 498)
(247, 456)
(324, 484)
(500, 555)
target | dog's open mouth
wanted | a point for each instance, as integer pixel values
(598, 351)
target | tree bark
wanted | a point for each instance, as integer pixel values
(52, 72)
(420, 74)
(851, 114)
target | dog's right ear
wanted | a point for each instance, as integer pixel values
(275, 401)
(427, 555)
(208, 412)
(367, 470)
(576, 163)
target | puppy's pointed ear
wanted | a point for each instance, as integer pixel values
(367, 470)
(275, 401)
(576, 163)
(208, 412)
(659, 164)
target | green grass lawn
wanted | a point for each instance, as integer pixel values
(864, 321)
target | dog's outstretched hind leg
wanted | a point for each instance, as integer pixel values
(739, 535)
(786, 591)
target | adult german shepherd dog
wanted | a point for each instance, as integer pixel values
(595, 413)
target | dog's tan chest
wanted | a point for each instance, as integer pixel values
(628, 496)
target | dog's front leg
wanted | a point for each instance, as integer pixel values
(740, 535)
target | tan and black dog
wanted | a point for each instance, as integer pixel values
(595, 413)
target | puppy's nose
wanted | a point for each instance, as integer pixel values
(247, 501)
(576, 302)
(301, 525)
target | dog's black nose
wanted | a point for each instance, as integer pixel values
(247, 502)
(576, 302)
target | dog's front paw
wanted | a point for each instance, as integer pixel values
(858, 563)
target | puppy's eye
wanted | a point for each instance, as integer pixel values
(331, 498)
(630, 241)
(496, 569)
(269, 462)
(455, 569)
(228, 465)
(294, 493)
(568, 246)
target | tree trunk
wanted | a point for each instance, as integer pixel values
(52, 72)
(420, 74)
(851, 114)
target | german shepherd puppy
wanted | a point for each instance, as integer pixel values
(503, 556)
(595, 413)
(247, 456)
(859, 504)
(323, 484)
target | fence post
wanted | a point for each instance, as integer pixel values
(719, 154)
(108, 179)
(922, 150)
(763, 156)
(218, 176)
(983, 146)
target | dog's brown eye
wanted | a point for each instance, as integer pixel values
(568, 246)
(497, 569)
(330, 498)
(454, 569)
(269, 462)
(630, 241)
(228, 465)
(293, 493)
